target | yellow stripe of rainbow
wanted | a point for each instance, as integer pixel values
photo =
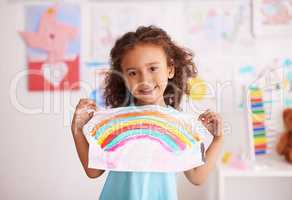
(143, 113)
(181, 123)
(172, 130)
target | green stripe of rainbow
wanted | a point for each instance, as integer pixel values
(116, 130)
(120, 140)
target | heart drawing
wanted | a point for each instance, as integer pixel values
(54, 72)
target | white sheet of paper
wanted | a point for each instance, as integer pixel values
(145, 138)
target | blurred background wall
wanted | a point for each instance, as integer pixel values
(38, 156)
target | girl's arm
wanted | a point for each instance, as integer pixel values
(80, 118)
(213, 123)
(198, 175)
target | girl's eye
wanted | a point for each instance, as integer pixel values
(153, 68)
(131, 73)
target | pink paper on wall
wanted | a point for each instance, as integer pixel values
(53, 42)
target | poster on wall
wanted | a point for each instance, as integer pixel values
(97, 94)
(272, 18)
(214, 25)
(52, 37)
(112, 20)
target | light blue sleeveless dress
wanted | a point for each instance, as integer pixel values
(139, 186)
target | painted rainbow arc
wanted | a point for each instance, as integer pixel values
(171, 133)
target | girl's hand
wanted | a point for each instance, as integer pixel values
(83, 113)
(213, 122)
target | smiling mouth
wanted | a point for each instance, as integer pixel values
(147, 91)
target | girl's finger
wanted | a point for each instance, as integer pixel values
(211, 116)
(91, 107)
(90, 101)
(204, 114)
(85, 101)
(86, 109)
(206, 118)
(81, 101)
(202, 117)
(212, 122)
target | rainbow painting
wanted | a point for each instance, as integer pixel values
(144, 138)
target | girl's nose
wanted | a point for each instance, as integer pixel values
(145, 77)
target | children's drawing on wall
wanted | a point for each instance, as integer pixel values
(243, 76)
(52, 36)
(198, 92)
(265, 73)
(197, 88)
(109, 22)
(97, 93)
(214, 24)
(267, 98)
(273, 17)
(212, 87)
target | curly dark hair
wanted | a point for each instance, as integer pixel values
(116, 93)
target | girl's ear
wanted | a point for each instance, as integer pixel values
(171, 71)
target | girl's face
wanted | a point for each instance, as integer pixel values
(146, 73)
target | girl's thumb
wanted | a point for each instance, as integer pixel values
(90, 116)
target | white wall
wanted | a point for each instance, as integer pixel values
(38, 156)
(37, 152)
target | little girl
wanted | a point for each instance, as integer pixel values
(147, 67)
